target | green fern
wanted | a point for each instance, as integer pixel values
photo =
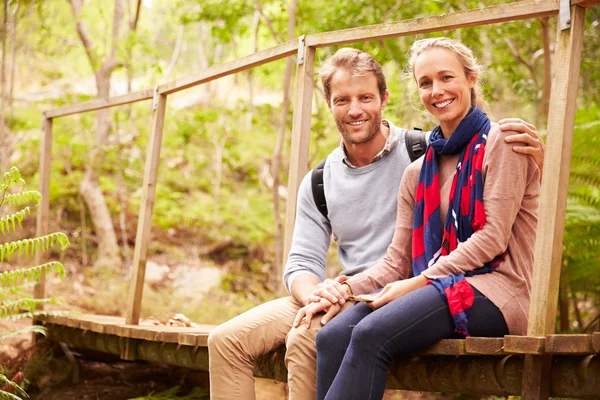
(16, 301)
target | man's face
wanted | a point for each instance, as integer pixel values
(356, 106)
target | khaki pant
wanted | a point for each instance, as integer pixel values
(234, 345)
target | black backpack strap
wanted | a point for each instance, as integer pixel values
(318, 189)
(416, 143)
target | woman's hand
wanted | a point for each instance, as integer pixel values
(393, 290)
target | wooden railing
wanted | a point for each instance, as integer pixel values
(548, 250)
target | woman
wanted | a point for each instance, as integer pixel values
(465, 232)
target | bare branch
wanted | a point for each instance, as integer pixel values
(268, 22)
(133, 22)
(517, 54)
(117, 20)
(82, 32)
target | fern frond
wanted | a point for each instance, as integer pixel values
(11, 177)
(4, 381)
(8, 221)
(32, 246)
(14, 307)
(37, 313)
(21, 198)
(8, 396)
(16, 277)
(29, 329)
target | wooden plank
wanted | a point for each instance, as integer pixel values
(551, 221)
(41, 227)
(484, 346)
(514, 344)
(584, 3)
(262, 57)
(447, 347)
(144, 227)
(596, 341)
(99, 104)
(482, 16)
(535, 384)
(557, 161)
(569, 344)
(305, 83)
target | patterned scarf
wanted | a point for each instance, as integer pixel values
(466, 214)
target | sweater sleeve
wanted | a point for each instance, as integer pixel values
(310, 240)
(506, 176)
(397, 263)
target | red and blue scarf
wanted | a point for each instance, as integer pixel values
(465, 216)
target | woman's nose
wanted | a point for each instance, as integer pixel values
(438, 89)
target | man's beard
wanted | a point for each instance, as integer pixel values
(372, 130)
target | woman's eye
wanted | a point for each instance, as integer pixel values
(425, 84)
(447, 77)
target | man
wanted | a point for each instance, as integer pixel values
(361, 179)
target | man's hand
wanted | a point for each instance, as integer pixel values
(393, 290)
(529, 136)
(306, 313)
(331, 290)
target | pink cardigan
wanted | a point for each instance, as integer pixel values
(511, 201)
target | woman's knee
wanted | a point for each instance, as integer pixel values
(329, 336)
(366, 335)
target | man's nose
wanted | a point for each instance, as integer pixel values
(355, 108)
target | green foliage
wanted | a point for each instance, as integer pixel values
(581, 255)
(4, 381)
(15, 302)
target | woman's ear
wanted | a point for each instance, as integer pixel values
(472, 79)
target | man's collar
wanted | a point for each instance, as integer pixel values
(392, 140)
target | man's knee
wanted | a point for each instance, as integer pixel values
(303, 338)
(223, 338)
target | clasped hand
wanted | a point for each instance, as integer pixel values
(328, 297)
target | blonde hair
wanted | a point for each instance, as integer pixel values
(357, 62)
(465, 56)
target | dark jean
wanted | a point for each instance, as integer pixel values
(355, 349)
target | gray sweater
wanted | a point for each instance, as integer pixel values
(362, 204)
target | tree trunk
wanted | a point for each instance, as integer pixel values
(276, 159)
(563, 307)
(108, 248)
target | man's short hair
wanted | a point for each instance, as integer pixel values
(356, 62)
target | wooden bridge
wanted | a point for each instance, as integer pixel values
(535, 366)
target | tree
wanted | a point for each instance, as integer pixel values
(103, 66)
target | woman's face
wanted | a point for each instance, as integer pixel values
(444, 88)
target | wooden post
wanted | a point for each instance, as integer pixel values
(551, 223)
(144, 227)
(305, 83)
(41, 228)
